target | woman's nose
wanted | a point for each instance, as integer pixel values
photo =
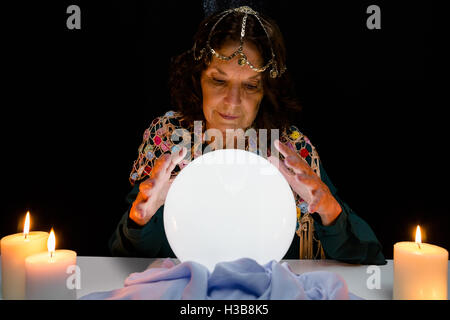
(233, 96)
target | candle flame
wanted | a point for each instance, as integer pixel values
(26, 226)
(51, 242)
(418, 236)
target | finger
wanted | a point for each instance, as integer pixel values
(146, 186)
(165, 187)
(160, 165)
(297, 164)
(281, 167)
(284, 150)
(176, 158)
(306, 179)
(292, 159)
(139, 211)
(141, 198)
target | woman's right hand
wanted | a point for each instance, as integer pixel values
(153, 191)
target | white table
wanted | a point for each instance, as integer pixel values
(108, 273)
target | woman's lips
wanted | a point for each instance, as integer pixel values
(227, 117)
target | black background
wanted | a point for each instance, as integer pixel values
(76, 102)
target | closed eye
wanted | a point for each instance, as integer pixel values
(251, 86)
(218, 81)
(248, 86)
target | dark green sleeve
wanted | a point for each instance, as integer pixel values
(349, 239)
(131, 240)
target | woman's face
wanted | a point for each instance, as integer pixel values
(232, 93)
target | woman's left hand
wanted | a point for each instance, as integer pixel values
(307, 184)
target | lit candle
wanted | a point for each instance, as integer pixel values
(420, 270)
(14, 249)
(46, 273)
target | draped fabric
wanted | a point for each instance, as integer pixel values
(242, 279)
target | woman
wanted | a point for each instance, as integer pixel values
(235, 79)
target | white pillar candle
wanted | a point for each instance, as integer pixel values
(14, 249)
(46, 273)
(420, 271)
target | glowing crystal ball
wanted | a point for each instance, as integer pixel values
(229, 204)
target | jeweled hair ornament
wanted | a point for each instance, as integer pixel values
(243, 60)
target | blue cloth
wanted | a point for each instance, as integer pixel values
(242, 279)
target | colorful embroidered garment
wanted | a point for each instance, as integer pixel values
(162, 137)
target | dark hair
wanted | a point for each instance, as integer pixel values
(279, 103)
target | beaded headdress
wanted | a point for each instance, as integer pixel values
(275, 71)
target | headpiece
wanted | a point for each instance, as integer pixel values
(243, 60)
